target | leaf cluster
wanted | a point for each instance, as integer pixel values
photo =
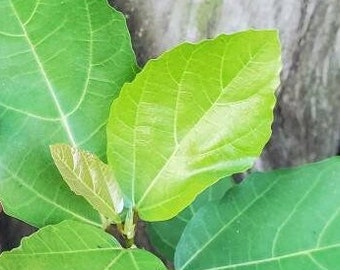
(89, 141)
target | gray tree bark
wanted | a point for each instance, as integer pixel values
(307, 117)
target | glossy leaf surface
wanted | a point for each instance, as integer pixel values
(198, 113)
(165, 235)
(62, 63)
(89, 177)
(74, 245)
(285, 219)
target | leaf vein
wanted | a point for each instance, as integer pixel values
(50, 88)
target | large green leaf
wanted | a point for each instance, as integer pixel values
(165, 235)
(198, 113)
(73, 245)
(62, 63)
(89, 177)
(285, 219)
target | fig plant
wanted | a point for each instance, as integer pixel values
(88, 140)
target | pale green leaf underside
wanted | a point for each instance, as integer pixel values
(89, 177)
(285, 219)
(165, 235)
(74, 245)
(196, 114)
(62, 63)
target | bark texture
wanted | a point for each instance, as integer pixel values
(307, 118)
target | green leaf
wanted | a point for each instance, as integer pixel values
(285, 219)
(74, 245)
(89, 177)
(165, 235)
(198, 113)
(62, 63)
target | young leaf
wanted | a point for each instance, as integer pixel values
(164, 235)
(62, 63)
(89, 177)
(196, 114)
(74, 245)
(285, 219)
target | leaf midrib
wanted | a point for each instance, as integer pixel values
(231, 221)
(63, 117)
(108, 207)
(243, 211)
(178, 146)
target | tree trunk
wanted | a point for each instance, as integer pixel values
(307, 118)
